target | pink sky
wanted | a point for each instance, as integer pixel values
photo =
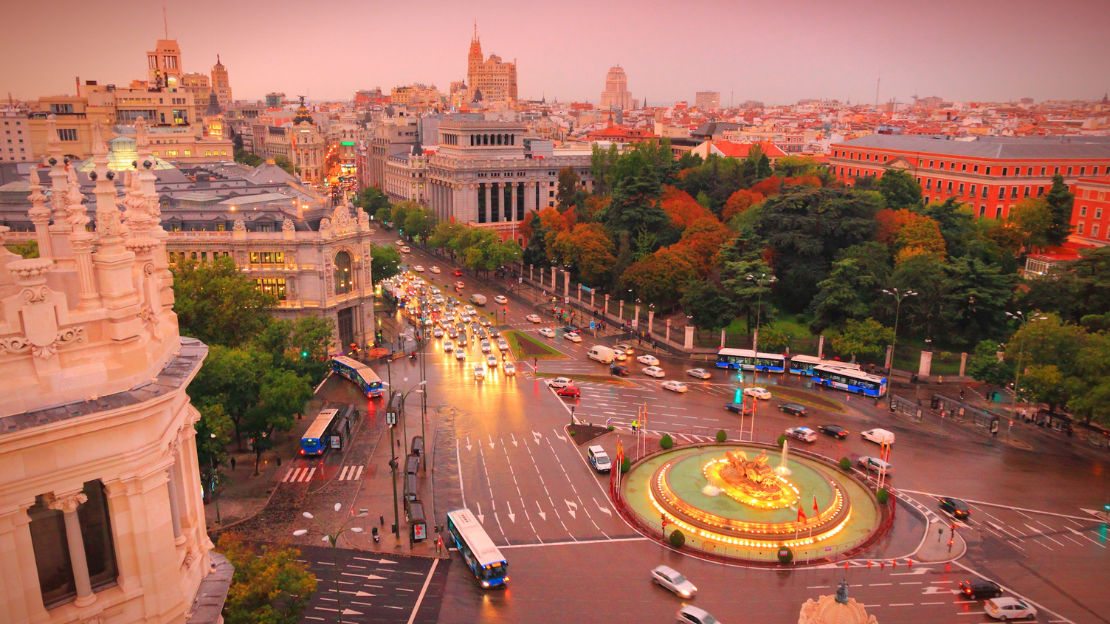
(776, 51)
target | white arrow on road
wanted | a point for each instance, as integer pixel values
(351, 612)
(537, 435)
(369, 577)
(559, 436)
(512, 516)
(604, 510)
(491, 443)
(933, 589)
(481, 518)
(571, 507)
(916, 572)
(375, 560)
(468, 447)
(542, 514)
(513, 437)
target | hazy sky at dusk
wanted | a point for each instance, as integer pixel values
(776, 51)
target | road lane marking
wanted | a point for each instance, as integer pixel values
(343, 474)
(1087, 538)
(577, 542)
(1042, 534)
(423, 590)
(359, 475)
(308, 477)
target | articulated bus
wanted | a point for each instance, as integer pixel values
(363, 376)
(477, 549)
(804, 364)
(849, 380)
(746, 359)
(315, 440)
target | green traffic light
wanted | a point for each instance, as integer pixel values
(304, 354)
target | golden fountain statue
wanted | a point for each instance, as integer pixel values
(750, 481)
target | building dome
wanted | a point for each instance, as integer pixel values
(838, 609)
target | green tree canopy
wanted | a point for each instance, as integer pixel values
(217, 304)
(373, 201)
(855, 281)
(386, 262)
(1060, 202)
(707, 303)
(569, 191)
(268, 587)
(866, 338)
(899, 190)
(984, 365)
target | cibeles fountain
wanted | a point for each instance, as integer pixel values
(728, 501)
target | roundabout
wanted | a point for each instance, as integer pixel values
(728, 501)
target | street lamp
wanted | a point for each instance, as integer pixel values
(1020, 318)
(898, 297)
(759, 305)
(333, 540)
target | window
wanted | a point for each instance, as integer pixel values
(272, 285)
(67, 134)
(1098, 213)
(1005, 170)
(998, 212)
(1094, 170)
(1080, 228)
(1013, 192)
(963, 167)
(1094, 230)
(975, 169)
(949, 186)
(1043, 169)
(1040, 191)
(961, 188)
(931, 164)
(1027, 191)
(1002, 192)
(1056, 170)
(1069, 171)
(973, 190)
(1082, 211)
(982, 210)
(988, 170)
(1029, 172)
(61, 109)
(267, 257)
(344, 277)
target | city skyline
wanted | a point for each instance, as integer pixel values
(762, 58)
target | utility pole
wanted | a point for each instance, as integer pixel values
(393, 471)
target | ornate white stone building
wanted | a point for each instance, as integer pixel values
(101, 512)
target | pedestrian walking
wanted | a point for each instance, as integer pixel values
(233, 462)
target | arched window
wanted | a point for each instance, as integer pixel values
(344, 276)
(498, 139)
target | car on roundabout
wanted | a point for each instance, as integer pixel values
(669, 578)
(793, 409)
(534, 318)
(693, 615)
(648, 359)
(399, 243)
(559, 382)
(758, 393)
(438, 332)
(457, 272)
(501, 299)
(654, 371)
(955, 507)
(737, 408)
(1006, 608)
(980, 589)
(627, 349)
(484, 322)
(448, 346)
(674, 386)
(569, 391)
(460, 285)
(835, 431)
(486, 347)
(573, 337)
(805, 434)
(435, 269)
(698, 373)
(547, 332)
(406, 250)
(878, 436)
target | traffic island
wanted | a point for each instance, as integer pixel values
(528, 348)
(732, 502)
(583, 433)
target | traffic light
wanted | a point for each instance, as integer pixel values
(304, 354)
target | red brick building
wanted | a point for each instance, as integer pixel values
(623, 134)
(989, 173)
(1090, 219)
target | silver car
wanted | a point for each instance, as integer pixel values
(672, 580)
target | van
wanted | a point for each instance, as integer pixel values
(598, 353)
(599, 459)
(478, 300)
(876, 465)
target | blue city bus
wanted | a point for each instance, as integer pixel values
(477, 549)
(363, 376)
(315, 440)
(849, 380)
(746, 359)
(804, 364)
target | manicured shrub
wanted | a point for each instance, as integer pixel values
(677, 538)
(781, 440)
(845, 464)
(610, 427)
(722, 436)
(626, 465)
(666, 441)
(786, 555)
(882, 495)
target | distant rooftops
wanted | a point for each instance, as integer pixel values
(997, 148)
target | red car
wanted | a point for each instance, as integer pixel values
(457, 272)
(571, 391)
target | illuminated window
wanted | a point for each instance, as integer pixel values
(273, 286)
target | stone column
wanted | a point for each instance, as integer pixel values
(651, 319)
(68, 505)
(667, 336)
(689, 341)
(531, 275)
(81, 241)
(963, 364)
(488, 212)
(592, 291)
(636, 317)
(606, 305)
(566, 285)
(512, 200)
(175, 507)
(820, 345)
(926, 363)
(723, 339)
(20, 594)
(620, 310)
(889, 356)
(554, 281)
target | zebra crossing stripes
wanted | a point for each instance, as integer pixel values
(351, 473)
(299, 475)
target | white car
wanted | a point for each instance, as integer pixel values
(491, 361)
(438, 332)
(693, 615)
(1006, 608)
(502, 344)
(626, 349)
(619, 355)
(418, 268)
(399, 243)
(674, 386)
(878, 436)
(486, 346)
(448, 346)
(406, 249)
(535, 318)
(805, 434)
(510, 368)
(559, 382)
(700, 373)
(547, 331)
(759, 393)
(460, 354)
(435, 269)
(469, 309)
(672, 580)
(654, 371)
(479, 371)
(501, 299)
(648, 359)
(572, 336)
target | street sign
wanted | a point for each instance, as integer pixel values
(591, 324)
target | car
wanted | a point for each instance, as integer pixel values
(418, 268)
(547, 332)
(435, 269)
(573, 337)
(482, 333)
(438, 332)
(486, 348)
(479, 371)
(599, 459)
(399, 243)
(674, 386)
(758, 393)
(448, 346)
(835, 431)
(510, 368)
(648, 359)
(502, 344)
(569, 329)
(457, 272)
(979, 589)
(693, 615)
(460, 285)
(559, 382)
(535, 318)
(793, 408)
(460, 354)
(623, 347)
(653, 371)
(484, 322)
(619, 370)
(955, 507)
(699, 373)
(462, 339)
(452, 332)
(501, 299)
(735, 407)
(406, 249)
(470, 310)
(491, 361)
(669, 578)
(876, 465)
(620, 356)
(571, 391)
(878, 436)
(464, 317)
(1007, 608)
(805, 434)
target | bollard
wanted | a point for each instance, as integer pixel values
(869, 564)
(894, 563)
(845, 565)
(909, 562)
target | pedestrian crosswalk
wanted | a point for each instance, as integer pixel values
(298, 475)
(350, 473)
(304, 475)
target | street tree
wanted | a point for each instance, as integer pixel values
(373, 200)
(976, 297)
(1034, 220)
(660, 277)
(282, 395)
(270, 586)
(386, 261)
(866, 338)
(1043, 383)
(855, 280)
(750, 297)
(419, 222)
(231, 378)
(1060, 201)
(899, 190)
(706, 303)
(986, 367)
(774, 339)
(740, 201)
(218, 304)
(213, 435)
(569, 190)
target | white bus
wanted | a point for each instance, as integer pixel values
(746, 359)
(804, 364)
(477, 549)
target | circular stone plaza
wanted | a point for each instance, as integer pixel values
(734, 501)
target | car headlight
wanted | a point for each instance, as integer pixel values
(685, 593)
(485, 584)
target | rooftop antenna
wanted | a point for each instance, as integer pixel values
(880, 82)
(165, 22)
